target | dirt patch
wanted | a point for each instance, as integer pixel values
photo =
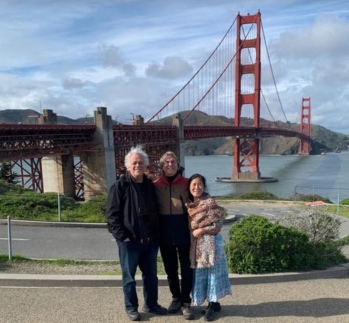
(43, 268)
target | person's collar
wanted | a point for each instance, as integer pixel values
(171, 178)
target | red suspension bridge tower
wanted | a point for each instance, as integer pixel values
(246, 150)
(304, 148)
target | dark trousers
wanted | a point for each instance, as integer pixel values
(133, 254)
(170, 255)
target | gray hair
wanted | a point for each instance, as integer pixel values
(136, 150)
(166, 154)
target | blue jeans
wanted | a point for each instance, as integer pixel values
(133, 254)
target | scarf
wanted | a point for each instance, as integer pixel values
(204, 213)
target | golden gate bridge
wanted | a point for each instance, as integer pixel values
(228, 83)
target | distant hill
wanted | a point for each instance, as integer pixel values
(29, 116)
(323, 139)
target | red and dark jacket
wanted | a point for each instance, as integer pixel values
(172, 196)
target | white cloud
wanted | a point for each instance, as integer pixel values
(172, 68)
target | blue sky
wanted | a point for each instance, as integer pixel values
(134, 55)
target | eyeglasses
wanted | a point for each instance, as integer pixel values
(168, 162)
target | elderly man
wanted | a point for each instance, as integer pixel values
(132, 219)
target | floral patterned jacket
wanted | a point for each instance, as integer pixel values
(204, 213)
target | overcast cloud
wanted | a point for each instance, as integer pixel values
(134, 55)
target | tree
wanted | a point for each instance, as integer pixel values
(6, 173)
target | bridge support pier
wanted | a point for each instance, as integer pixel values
(178, 122)
(57, 170)
(99, 165)
(58, 174)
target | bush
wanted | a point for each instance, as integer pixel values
(33, 206)
(345, 202)
(8, 188)
(310, 198)
(319, 224)
(257, 196)
(24, 204)
(257, 245)
(90, 211)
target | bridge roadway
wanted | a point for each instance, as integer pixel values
(23, 141)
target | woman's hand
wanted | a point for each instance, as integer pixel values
(198, 232)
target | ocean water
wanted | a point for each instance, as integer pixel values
(325, 175)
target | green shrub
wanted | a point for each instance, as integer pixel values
(345, 202)
(257, 245)
(90, 211)
(8, 188)
(310, 198)
(97, 205)
(33, 206)
(256, 196)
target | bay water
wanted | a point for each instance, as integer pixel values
(325, 175)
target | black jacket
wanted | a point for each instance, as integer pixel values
(123, 209)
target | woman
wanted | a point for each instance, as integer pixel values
(132, 219)
(207, 256)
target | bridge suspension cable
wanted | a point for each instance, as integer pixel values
(273, 76)
(222, 59)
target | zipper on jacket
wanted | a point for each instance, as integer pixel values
(170, 201)
(183, 204)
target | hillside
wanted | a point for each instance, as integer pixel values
(29, 116)
(323, 139)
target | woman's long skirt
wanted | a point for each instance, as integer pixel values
(212, 284)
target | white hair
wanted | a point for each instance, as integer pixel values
(136, 150)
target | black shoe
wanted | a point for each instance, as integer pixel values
(133, 315)
(175, 306)
(157, 309)
(216, 307)
(209, 313)
(186, 312)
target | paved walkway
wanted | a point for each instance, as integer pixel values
(320, 301)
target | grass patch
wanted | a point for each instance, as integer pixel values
(342, 210)
(6, 263)
(4, 259)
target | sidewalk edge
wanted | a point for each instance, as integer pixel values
(34, 280)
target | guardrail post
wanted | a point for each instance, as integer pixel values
(9, 238)
(59, 207)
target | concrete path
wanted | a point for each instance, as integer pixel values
(320, 301)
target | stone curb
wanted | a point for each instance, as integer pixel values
(33, 280)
